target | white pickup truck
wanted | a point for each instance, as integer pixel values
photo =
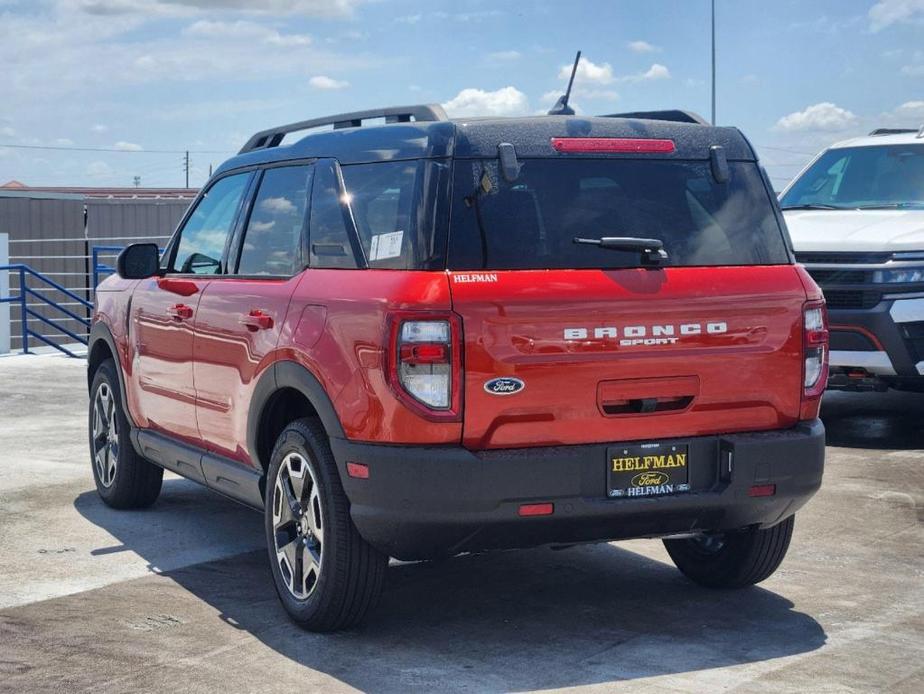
(856, 218)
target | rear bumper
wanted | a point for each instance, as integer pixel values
(886, 342)
(423, 502)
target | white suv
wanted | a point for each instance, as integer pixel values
(856, 217)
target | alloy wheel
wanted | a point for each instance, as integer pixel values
(298, 526)
(105, 435)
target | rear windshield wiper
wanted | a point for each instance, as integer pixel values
(652, 250)
(813, 206)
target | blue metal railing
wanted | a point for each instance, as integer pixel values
(100, 268)
(25, 313)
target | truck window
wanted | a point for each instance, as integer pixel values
(857, 177)
(272, 240)
(394, 221)
(203, 237)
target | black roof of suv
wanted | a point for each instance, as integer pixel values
(433, 135)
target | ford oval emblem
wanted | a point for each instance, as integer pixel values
(650, 479)
(504, 386)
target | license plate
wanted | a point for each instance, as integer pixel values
(647, 469)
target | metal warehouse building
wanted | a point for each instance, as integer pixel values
(55, 231)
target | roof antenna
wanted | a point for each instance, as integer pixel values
(561, 107)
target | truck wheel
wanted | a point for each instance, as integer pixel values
(326, 575)
(733, 559)
(123, 478)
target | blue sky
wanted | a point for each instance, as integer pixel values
(142, 76)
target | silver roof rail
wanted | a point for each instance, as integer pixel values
(395, 114)
(895, 131)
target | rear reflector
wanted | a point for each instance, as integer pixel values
(537, 509)
(762, 490)
(358, 470)
(611, 144)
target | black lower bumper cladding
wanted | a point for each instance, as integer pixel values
(422, 502)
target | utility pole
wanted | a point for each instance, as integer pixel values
(186, 167)
(713, 62)
(137, 181)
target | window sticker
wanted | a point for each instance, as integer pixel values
(386, 245)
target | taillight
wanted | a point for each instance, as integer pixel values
(815, 349)
(425, 367)
(612, 144)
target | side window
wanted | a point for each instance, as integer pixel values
(330, 245)
(202, 239)
(272, 240)
(382, 197)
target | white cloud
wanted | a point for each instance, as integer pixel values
(913, 70)
(642, 47)
(505, 55)
(655, 72)
(98, 169)
(174, 8)
(244, 30)
(100, 128)
(908, 115)
(325, 82)
(476, 16)
(824, 116)
(588, 72)
(885, 13)
(409, 19)
(7, 131)
(506, 101)
(123, 146)
(64, 142)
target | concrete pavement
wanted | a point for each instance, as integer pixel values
(179, 597)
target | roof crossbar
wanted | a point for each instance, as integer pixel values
(673, 115)
(272, 137)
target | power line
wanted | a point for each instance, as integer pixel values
(119, 151)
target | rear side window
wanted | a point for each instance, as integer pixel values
(330, 227)
(386, 200)
(272, 240)
(531, 223)
(203, 237)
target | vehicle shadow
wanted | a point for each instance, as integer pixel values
(519, 620)
(885, 421)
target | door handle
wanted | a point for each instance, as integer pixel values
(180, 312)
(257, 320)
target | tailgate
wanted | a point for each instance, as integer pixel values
(619, 355)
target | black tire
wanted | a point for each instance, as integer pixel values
(123, 478)
(341, 575)
(733, 559)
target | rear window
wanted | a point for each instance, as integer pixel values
(531, 223)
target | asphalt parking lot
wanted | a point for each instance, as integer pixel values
(179, 597)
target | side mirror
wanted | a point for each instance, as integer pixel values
(138, 261)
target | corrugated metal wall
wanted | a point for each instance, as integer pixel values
(55, 234)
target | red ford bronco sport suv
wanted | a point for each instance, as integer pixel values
(425, 336)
